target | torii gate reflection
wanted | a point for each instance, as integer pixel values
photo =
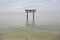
(30, 11)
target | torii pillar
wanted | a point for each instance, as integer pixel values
(30, 11)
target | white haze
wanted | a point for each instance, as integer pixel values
(12, 12)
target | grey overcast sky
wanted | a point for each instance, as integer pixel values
(12, 12)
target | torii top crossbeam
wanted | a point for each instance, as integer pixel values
(30, 10)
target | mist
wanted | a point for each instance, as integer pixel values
(12, 13)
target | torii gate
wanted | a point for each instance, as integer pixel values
(30, 11)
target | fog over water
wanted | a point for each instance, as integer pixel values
(12, 13)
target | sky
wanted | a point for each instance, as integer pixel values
(12, 12)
